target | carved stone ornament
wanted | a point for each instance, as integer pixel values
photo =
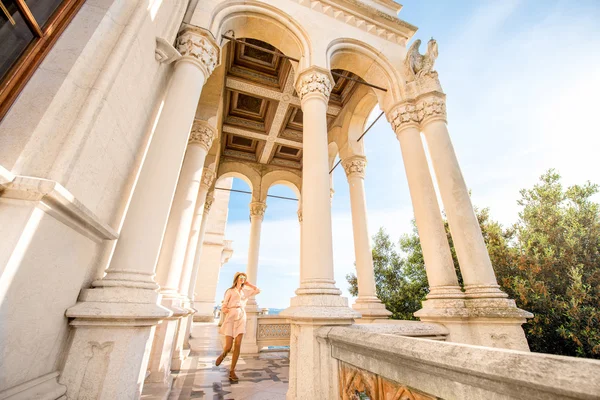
(355, 166)
(431, 107)
(314, 82)
(191, 43)
(404, 115)
(202, 134)
(417, 65)
(208, 203)
(300, 216)
(208, 177)
(408, 114)
(257, 209)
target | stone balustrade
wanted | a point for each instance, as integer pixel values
(272, 330)
(374, 363)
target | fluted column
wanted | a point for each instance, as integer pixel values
(122, 308)
(367, 302)
(193, 246)
(439, 266)
(318, 301)
(257, 214)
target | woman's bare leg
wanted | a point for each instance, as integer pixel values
(226, 349)
(236, 353)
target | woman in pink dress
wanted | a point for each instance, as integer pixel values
(234, 325)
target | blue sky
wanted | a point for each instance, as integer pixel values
(522, 79)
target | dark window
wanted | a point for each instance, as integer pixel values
(28, 29)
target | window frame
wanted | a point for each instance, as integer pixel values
(19, 74)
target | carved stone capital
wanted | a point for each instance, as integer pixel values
(314, 81)
(257, 209)
(208, 177)
(208, 203)
(300, 216)
(196, 44)
(355, 166)
(431, 108)
(202, 134)
(404, 115)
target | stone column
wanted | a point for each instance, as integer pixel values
(172, 254)
(318, 301)
(117, 316)
(441, 275)
(257, 213)
(495, 319)
(367, 302)
(179, 352)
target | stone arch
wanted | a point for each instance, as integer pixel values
(257, 20)
(354, 126)
(368, 63)
(282, 177)
(244, 172)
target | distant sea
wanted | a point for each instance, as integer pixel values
(275, 311)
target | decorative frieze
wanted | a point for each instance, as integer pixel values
(192, 42)
(357, 383)
(208, 177)
(202, 134)
(355, 166)
(314, 82)
(257, 209)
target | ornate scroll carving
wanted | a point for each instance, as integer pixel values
(358, 384)
(314, 82)
(355, 166)
(257, 209)
(95, 370)
(404, 115)
(208, 177)
(417, 65)
(191, 42)
(431, 107)
(202, 134)
(274, 331)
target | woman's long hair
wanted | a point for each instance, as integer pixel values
(235, 278)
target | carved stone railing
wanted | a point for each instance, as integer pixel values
(272, 330)
(375, 366)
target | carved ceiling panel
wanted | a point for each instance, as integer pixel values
(262, 118)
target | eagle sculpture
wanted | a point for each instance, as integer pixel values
(417, 64)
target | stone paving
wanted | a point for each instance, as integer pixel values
(261, 377)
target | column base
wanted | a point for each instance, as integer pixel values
(45, 387)
(491, 322)
(371, 308)
(318, 287)
(111, 341)
(157, 391)
(249, 345)
(180, 353)
(163, 344)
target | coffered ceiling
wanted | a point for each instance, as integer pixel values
(262, 119)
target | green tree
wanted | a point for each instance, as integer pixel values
(401, 283)
(549, 262)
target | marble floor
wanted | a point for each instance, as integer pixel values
(261, 377)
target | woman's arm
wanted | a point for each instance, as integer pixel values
(255, 290)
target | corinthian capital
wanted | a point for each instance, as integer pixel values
(208, 177)
(355, 166)
(196, 44)
(257, 209)
(431, 108)
(202, 134)
(314, 81)
(404, 115)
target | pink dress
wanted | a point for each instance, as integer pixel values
(235, 320)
